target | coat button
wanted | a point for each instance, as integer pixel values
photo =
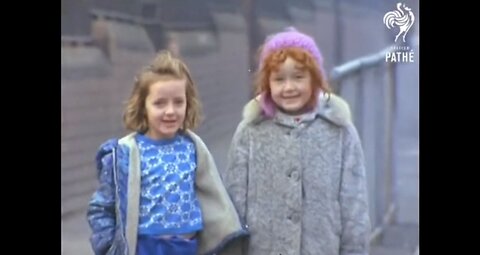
(294, 217)
(294, 175)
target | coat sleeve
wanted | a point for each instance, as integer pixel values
(236, 182)
(101, 208)
(236, 174)
(354, 197)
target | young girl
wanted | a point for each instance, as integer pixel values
(296, 170)
(160, 192)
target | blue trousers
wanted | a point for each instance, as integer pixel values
(149, 245)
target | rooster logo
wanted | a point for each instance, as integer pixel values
(402, 17)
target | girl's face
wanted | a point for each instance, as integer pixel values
(166, 106)
(290, 87)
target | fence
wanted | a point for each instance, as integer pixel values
(368, 84)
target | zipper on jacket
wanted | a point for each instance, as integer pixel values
(117, 199)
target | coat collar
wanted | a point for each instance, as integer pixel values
(330, 107)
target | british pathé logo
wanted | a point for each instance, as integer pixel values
(403, 54)
(402, 18)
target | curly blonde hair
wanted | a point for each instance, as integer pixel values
(164, 67)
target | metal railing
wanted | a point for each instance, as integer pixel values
(369, 84)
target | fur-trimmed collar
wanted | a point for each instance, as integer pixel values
(335, 109)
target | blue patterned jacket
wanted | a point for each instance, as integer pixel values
(113, 210)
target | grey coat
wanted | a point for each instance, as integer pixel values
(300, 187)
